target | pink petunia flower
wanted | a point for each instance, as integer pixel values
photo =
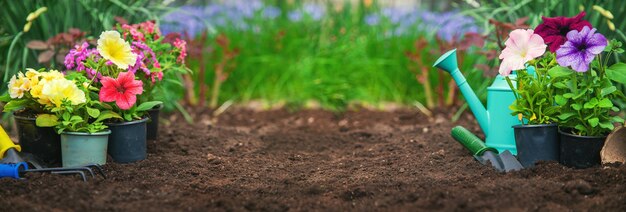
(123, 90)
(521, 47)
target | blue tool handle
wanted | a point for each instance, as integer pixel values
(12, 169)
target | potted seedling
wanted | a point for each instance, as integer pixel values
(78, 119)
(584, 88)
(26, 102)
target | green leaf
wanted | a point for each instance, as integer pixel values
(617, 72)
(559, 71)
(66, 116)
(560, 100)
(591, 103)
(148, 105)
(47, 120)
(593, 121)
(5, 98)
(560, 85)
(104, 115)
(94, 113)
(607, 91)
(580, 127)
(565, 116)
(617, 119)
(576, 106)
(15, 105)
(128, 117)
(606, 125)
(568, 95)
(76, 119)
(605, 103)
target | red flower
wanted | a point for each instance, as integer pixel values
(554, 30)
(122, 90)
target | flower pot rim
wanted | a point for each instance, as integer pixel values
(157, 107)
(144, 119)
(105, 132)
(18, 116)
(580, 136)
(534, 125)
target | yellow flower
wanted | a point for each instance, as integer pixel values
(58, 90)
(27, 26)
(32, 16)
(51, 75)
(112, 47)
(33, 76)
(18, 85)
(35, 91)
(611, 25)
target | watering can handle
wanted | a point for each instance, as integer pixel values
(470, 141)
(6, 143)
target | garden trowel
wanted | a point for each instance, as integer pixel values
(503, 162)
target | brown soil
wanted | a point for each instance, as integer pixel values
(314, 160)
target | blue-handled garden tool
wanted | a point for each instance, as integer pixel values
(503, 162)
(15, 165)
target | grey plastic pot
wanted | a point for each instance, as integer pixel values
(580, 151)
(153, 124)
(42, 142)
(81, 148)
(127, 143)
(537, 143)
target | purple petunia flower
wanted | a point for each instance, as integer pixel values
(580, 49)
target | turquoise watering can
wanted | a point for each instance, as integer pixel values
(496, 121)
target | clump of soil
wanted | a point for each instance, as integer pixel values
(315, 160)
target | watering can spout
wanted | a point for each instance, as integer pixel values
(448, 63)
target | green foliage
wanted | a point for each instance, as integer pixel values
(534, 96)
(92, 16)
(586, 98)
(337, 61)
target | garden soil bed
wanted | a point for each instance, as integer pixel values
(315, 160)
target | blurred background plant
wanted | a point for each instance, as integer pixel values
(333, 54)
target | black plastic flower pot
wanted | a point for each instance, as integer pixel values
(127, 141)
(580, 151)
(42, 142)
(537, 143)
(153, 123)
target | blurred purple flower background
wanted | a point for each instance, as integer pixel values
(249, 15)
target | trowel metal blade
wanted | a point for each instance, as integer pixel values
(504, 162)
(509, 161)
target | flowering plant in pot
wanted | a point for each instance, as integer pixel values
(26, 102)
(583, 81)
(537, 137)
(157, 57)
(110, 66)
(78, 119)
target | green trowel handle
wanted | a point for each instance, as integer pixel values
(470, 141)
